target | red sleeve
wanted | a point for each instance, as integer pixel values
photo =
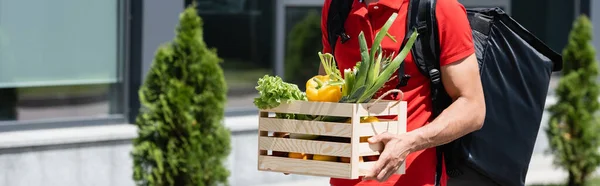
(456, 39)
(324, 37)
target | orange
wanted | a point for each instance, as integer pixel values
(296, 155)
(347, 159)
(324, 157)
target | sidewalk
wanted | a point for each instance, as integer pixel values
(540, 171)
(317, 181)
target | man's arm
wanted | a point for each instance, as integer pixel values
(460, 76)
(465, 115)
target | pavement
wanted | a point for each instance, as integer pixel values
(541, 171)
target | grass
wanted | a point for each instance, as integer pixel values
(244, 77)
(240, 73)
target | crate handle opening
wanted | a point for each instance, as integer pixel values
(387, 93)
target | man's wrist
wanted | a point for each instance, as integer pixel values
(412, 140)
(417, 140)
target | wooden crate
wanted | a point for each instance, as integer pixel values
(330, 145)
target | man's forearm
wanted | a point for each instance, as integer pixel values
(460, 118)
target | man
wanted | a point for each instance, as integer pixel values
(460, 76)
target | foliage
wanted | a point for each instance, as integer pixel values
(181, 138)
(573, 129)
(272, 91)
(303, 42)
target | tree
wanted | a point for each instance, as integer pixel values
(181, 138)
(573, 127)
(303, 44)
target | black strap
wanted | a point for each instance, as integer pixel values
(426, 52)
(411, 19)
(336, 18)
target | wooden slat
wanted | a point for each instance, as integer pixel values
(263, 133)
(355, 140)
(402, 118)
(366, 149)
(314, 108)
(305, 127)
(305, 167)
(371, 129)
(365, 167)
(381, 108)
(305, 146)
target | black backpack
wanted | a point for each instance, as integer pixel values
(515, 69)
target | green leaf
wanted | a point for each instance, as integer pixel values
(363, 71)
(374, 71)
(359, 91)
(388, 72)
(349, 82)
(391, 37)
(382, 33)
(272, 90)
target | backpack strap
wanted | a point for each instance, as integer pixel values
(426, 52)
(411, 20)
(336, 18)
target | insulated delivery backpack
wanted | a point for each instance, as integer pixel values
(515, 69)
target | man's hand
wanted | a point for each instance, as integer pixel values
(464, 115)
(397, 147)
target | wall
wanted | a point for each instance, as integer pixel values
(90, 155)
(595, 16)
(78, 156)
(160, 20)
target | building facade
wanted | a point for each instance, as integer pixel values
(70, 71)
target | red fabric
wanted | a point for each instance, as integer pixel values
(456, 43)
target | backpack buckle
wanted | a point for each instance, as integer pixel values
(345, 37)
(434, 75)
(404, 80)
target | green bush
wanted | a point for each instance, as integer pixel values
(181, 138)
(573, 129)
(303, 44)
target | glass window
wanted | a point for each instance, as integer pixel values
(302, 44)
(242, 33)
(221, 5)
(59, 59)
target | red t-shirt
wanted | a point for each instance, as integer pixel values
(456, 43)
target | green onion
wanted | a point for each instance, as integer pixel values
(361, 82)
(389, 70)
(363, 70)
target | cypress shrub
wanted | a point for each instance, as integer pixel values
(573, 129)
(181, 137)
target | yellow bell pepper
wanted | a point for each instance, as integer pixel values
(368, 119)
(317, 89)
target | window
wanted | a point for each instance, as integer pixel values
(221, 5)
(60, 60)
(302, 44)
(242, 33)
